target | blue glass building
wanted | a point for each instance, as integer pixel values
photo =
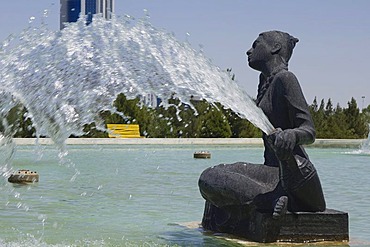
(90, 9)
(71, 10)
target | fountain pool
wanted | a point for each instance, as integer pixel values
(139, 195)
(126, 195)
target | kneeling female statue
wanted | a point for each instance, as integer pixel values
(287, 181)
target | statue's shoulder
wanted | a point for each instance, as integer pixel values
(286, 75)
(286, 78)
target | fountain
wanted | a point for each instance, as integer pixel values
(45, 69)
(365, 147)
(66, 78)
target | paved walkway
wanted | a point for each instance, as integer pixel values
(345, 143)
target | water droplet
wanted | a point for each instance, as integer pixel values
(146, 13)
(31, 19)
(42, 217)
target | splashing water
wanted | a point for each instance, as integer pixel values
(66, 78)
(365, 147)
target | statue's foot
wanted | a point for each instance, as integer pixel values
(281, 207)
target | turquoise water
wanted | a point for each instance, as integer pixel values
(132, 195)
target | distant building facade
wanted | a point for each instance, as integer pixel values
(71, 10)
(151, 100)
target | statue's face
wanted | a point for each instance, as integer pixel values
(259, 54)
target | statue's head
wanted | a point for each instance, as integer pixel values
(271, 46)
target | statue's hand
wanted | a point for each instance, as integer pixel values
(283, 142)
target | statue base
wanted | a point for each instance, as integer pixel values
(330, 225)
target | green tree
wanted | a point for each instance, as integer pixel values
(214, 125)
(356, 122)
(340, 129)
(241, 128)
(366, 114)
(329, 108)
(17, 123)
(24, 124)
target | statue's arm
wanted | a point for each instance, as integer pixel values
(299, 115)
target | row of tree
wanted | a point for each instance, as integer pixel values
(203, 119)
(338, 122)
(214, 121)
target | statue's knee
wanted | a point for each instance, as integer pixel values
(209, 180)
(205, 177)
(210, 174)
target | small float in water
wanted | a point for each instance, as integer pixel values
(202, 155)
(24, 176)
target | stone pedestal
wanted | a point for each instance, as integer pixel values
(330, 225)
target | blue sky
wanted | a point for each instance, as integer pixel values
(331, 60)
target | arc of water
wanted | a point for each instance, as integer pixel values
(66, 78)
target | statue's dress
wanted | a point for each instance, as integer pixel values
(242, 184)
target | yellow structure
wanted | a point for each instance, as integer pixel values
(123, 130)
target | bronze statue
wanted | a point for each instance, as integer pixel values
(287, 180)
